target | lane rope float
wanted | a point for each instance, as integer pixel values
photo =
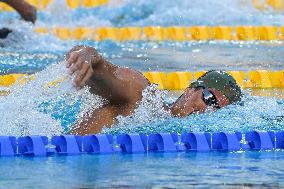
(172, 33)
(141, 143)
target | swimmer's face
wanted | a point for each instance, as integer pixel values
(192, 101)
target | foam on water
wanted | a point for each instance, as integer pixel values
(24, 38)
(149, 110)
(22, 113)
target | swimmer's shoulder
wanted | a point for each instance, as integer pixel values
(132, 76)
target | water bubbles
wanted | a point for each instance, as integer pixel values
(33, 109)
(196, 50)
(254, 113)
(149, 110)
(39, 108)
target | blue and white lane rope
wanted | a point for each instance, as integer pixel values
(140, 143)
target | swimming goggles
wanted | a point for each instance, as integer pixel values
(209, 98)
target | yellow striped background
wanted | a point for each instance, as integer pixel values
(173, 33)
(261, 79)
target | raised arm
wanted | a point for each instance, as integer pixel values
(122, 87)
(118, 85)
(27, 11)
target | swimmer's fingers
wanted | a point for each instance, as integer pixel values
(77, 66)
(81, 74)
(72, 59)
(87, 77)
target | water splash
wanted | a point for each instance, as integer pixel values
(142, 13)
(22, 112)
(23, 38)
(59, 14)
(28, 109)
(149, 110)
(33, 109)
(254, 113)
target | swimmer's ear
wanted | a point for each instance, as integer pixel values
(4, 32)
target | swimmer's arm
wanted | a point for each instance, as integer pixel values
(104, 116)
(118, 85)
(27, 11)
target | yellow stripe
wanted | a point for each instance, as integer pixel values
(180, 80)
(251, 79)
(277, 5)
(174, 33)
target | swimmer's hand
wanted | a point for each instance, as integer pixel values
(29, 14)
(81, 61)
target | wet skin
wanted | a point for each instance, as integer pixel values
(191, 101)
(122, 87)
(27, 11)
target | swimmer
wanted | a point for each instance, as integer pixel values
(27, 11)
(123, 87)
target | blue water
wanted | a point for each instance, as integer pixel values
(154, 170)
(27, 52)
(146, 56)
(257, 113)
(167, 13)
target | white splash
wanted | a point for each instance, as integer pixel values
(149, 110)
(20, 114)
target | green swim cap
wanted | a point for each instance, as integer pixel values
(222, 82)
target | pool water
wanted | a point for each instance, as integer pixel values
(149, 56)
(154, 170)
(258, 111)
(31, 110)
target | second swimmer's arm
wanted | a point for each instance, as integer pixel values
(27, 11)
